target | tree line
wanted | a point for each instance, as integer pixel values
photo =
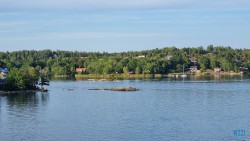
(155, 61)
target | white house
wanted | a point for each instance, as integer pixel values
(141, 56)
(4, 70)
(217, 69)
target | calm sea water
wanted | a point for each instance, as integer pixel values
(164, 110)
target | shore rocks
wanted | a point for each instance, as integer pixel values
(118, 89)
(125, 89)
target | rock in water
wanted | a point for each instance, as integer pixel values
(124, 89)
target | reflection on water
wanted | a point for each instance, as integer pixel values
(20, 113)
(22, 104)
(211, 77)
(174, 109)
(26, 99)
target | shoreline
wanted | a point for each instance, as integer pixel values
(117, 76)
(150, 76)
(209, 73)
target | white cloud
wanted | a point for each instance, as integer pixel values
(86, 35)
(83, 3)
(115, 4)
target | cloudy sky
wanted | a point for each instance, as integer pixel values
(115, 26)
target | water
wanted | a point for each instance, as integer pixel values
(169, 110)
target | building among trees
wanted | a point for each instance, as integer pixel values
(217, 69)
(81, 70)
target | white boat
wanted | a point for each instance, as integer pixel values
(183, 73)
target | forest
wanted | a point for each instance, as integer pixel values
(156, 61)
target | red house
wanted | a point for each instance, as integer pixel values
(81, 69)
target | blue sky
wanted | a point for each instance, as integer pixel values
(115, 26)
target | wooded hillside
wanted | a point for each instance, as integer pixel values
(156, 61)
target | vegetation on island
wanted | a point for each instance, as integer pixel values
(24, 79)
(28, 63)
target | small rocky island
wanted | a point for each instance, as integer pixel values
(124, 89)
(118, 89)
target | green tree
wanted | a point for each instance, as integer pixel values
(204, 62)
(125, 70)
(214, 62)
(226, 65)
(210, 49)
(179, 68)
(19, 79)
(137, 70)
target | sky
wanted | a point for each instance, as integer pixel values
(117, 26)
